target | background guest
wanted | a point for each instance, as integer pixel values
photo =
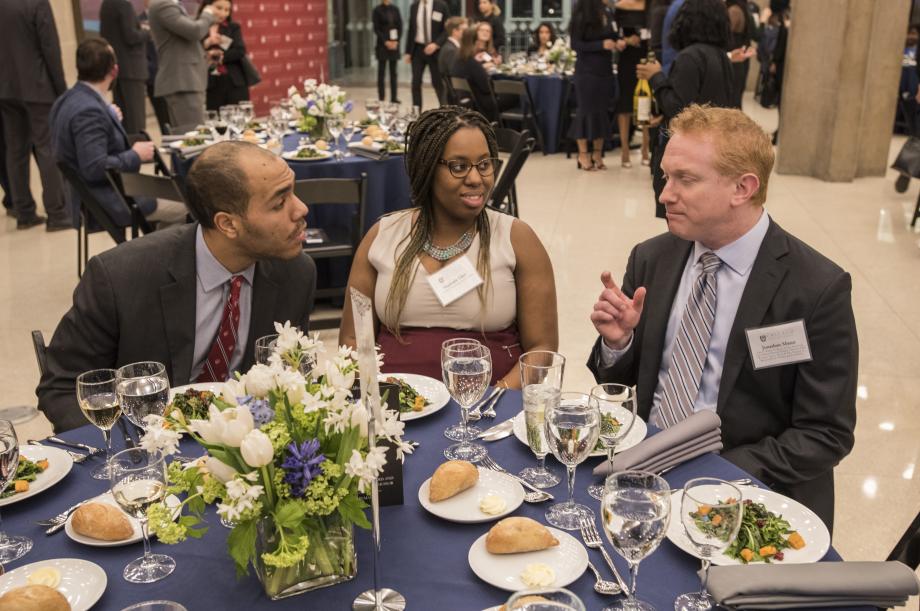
(486, 51)
(226, 79)
(426, 35)
(657, 12)
(450, 159)
(159, 104)
(489, 12)
(466, 66)
(455, 27)
(388, 29)
(121, 27)
(542, 40)
(630, 18)
(741, 35)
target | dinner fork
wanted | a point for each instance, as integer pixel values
(77, 457)
(536, 496)
(593, 540)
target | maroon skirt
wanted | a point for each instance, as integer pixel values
(419, 349)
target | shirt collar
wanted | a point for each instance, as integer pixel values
(89, 85)
(740, 254)
(211, 273)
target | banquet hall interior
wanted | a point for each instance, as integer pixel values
(836, 191)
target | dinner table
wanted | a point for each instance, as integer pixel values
(549, 93)
(422, 556)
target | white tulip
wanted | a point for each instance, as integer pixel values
(256, 449)
(258, 381)
(211, 429)
(237, 424)
(219, 469)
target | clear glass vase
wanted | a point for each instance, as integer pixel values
(330, 559)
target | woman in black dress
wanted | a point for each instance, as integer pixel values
(742, 32)
(630, 20)
(226, 79)
(388, 28)
(593, 39)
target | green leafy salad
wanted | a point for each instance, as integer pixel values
(26, 472)
(392, 146)
(763, 536)
(409, 399)
(194, 403)
(309, 153)
(193, 141)
(610, 426)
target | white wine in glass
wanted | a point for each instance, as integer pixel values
(98, 400)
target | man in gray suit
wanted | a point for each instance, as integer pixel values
(182, 77)
(165, 297)
(448, 53)
(31, 77)
(119, 24)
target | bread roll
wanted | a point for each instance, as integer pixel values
(517, 534)
(452, 478)
(524, 600)
(321, 145)
(33, 598)
(367, 141)
(101, 521)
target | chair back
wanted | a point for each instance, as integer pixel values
(90, 206)
(38, 343)
(511, 87)
(133, 185)
(337, 192)
(463, 93)
(510, 140)
(504, 186)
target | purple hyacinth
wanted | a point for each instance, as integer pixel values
(302, 465)
(262, 413)
(349, 105)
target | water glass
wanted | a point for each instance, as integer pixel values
(468, 370)
(335, 130)
(463, 431)
(571, 429)
(11, 548)
(554, 599)
(372, 106)
(349, 131)
(617, 405)
(98, 401)
(138, 481)
(635, 512)
(541, 384)
(248, 112)
(143, 390)
(710, 512)
(156, 605)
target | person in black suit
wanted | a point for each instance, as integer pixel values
(226, 79)
(426, 35)
(388, 29)
(691, 326)
(31, 77)
(160, 297)
(119, 24)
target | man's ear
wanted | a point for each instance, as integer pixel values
(227, 224)
(746, 187)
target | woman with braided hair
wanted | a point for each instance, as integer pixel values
(451, 159)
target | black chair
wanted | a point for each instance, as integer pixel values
(505, 183)
(38, 343)
(525, 112)
(462, 92)
(510, 142)
(132, 185)
(338, 241)
(907, 549)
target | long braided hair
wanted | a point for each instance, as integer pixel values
(425, 142)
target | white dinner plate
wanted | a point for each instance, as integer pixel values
(82, 581)
(177, 144)
(59, 465)
(171, 501)
(635, 435)
(464, 507)
(568, 560)
(215, 387)
(292, 156)
(800, 518)
(431, 389)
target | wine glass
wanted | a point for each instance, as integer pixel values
(335, 130)
(617, 405)
(571, 429)
(248, 112)
(710, 511)
(349, 131)
(212, 117)
(541, 383)
(372, 107)
(265, 346)
(143, 389)
(554, 599)
(11, 548)
(138, 481)
(462, 431)
(99, 403)
(468, 369)
(635, 513)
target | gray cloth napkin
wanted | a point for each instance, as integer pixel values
(823, 584)
(369, 153)
(695, 435)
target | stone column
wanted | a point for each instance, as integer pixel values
(843, 64)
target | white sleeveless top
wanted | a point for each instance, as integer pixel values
(422, 307)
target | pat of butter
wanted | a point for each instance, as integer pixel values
(538, 575)
(492, 505)
(45, 576)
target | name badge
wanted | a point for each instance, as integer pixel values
(394, 34)
(776, 345)
(645, 34)
(437, 16)
(454, 281)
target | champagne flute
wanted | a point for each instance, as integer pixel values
(349, 131)
(615, 403)
(98, 401)
(143, 389)
(541, 383)
(468, 369)
(335, 130)
(138, 481)
(463, 431)
(11, 548)
(635, 512)
(571, 428)
(710, 511)
(553, 599)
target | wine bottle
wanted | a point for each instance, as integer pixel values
(642, 98)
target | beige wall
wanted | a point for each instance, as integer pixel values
(64, 20)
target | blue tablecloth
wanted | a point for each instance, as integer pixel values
(423, 557)
(548, 93)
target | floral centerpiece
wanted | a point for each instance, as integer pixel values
(318, 103)
(287, 456)
(561, 55)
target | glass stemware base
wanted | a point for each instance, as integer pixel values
(13, 548)
(596, 491)
(470, 452)
(148, 569)
(458, 432)
(694, 601)
(540, 477)
(630, 605)
(568, 515)
(103, 471)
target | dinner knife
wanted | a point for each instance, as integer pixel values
(499, 431)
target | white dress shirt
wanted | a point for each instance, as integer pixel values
(423, 21)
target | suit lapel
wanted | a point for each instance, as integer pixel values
(178, 300)
(766, 276)
(108, 112)
(261, 319)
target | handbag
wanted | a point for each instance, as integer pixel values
(908, 161)
(250, 73)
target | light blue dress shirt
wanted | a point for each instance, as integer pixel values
(731, 278)
(212, 289)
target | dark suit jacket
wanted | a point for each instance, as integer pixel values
(30, 68)
(136, 302)
(87, 137)
(790, 425)
(119, 24)
(438, 33)
(386, 18)
(233, 56)
(447, 55)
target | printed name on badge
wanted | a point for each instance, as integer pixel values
(436, 16)
(394, 34)
(777, 345)
(454, 281)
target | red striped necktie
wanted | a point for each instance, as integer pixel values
(217, 365)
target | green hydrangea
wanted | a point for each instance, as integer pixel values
(278, 434)
(291, 550)
(323, 496)
(160, 523)
(211, 489)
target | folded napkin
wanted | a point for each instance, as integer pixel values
(370, 153)
(823, 584)
(695, 435)
(173, 137)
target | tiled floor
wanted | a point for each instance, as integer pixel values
(589, 222)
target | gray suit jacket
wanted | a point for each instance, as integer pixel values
(789, 425)
(136, 302)
(118, 23)
(183, 67)
(446, 57)
(30, 68)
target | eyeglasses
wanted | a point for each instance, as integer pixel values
(460, 168)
